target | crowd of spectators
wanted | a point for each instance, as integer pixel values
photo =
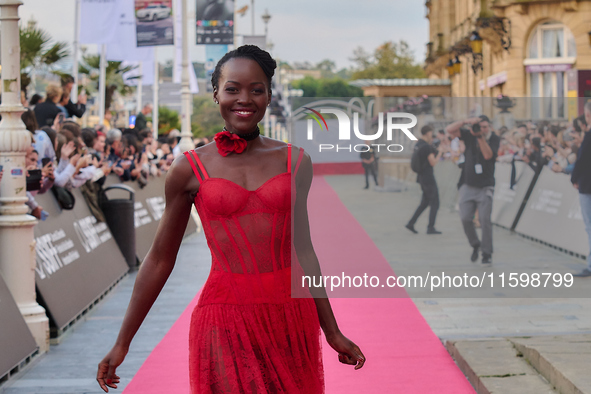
(543, 144)
(69, 156)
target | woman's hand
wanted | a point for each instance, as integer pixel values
(349, 352)
(47, 171)
(118, 170)
(106, 375)
(67, 150)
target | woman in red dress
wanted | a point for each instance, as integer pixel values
(247, 335)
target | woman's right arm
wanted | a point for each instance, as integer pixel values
(155, 269)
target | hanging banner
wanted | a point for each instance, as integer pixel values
(215, 22)
(99, 21)
(147, 73)
(177, 72)
(125, 47)
(213, 54)
(154, 22)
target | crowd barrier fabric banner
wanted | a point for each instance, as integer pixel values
(99, 20)
(154, 22)
(553, 214)
(149, 207)
(16, 341)
(215, 21)
(507, 200)
(77, 258)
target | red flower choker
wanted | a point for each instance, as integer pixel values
(228, 142)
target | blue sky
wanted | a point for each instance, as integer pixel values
(303, 30)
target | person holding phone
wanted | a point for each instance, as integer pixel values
(477, 181)
(35, 183)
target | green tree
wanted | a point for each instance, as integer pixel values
(390, 60)
(309, 85)
(326, 87)
(336, 87)
(114, 77)
(38, 51)
(168, 119)
(206, 120)
(326, 68)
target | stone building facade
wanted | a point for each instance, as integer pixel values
(530, 48)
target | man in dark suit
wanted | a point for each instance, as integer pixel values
(428, 156)
(79, 108)
(368, 160)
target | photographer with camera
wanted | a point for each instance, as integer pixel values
(477, 181)
(424, 158)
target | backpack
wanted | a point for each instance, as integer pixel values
(415, 160)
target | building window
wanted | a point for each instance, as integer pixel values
(551, 52)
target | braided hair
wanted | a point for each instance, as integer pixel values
(252, 52)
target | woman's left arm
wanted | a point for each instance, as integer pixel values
(349, 352)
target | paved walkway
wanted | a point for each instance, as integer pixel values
(71, 366)
(384, 214)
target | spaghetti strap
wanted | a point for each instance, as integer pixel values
(205, 175)
(193, 166)
(299, 161)
(288, 158)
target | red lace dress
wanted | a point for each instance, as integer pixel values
(247, 334)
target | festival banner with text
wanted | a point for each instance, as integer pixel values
(154, 22)
(215, 22)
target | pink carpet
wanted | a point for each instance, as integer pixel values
(403, 354)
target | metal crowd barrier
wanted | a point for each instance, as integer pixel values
(78, 260)
(543, 207)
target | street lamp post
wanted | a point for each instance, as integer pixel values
(252, 17)
(266, 18)
(17, 240)
(186, 142)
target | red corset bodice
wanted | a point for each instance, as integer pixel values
(249, 235)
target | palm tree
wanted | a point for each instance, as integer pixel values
(114, 76)
(37, 51)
